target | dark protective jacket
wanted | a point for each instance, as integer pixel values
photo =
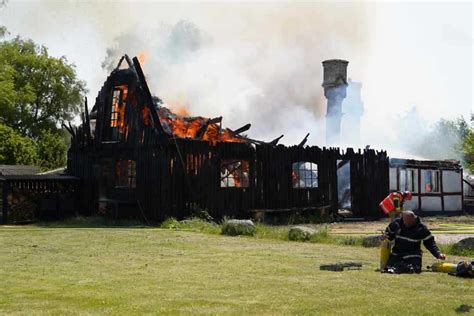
(407, 240)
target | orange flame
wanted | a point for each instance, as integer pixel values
(235, 173)
(178, 107)
(176, 121)
(197, 128)
(119, 101)
(142, 56)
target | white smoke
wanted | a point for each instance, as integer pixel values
(269, 74)
(260, 63)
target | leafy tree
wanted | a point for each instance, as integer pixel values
(444, 140)
(51, 151)
(468, 150)
(37, 91)
(15, 148)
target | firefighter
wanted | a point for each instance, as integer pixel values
(393, 203)
(407, 232)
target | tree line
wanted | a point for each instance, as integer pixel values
(37, 93)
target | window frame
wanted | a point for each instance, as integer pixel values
(434, 181)
(130, 177)
(114, 111)
(296, 168)
(242, 169)
(405, 172)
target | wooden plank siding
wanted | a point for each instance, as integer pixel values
(175, 176)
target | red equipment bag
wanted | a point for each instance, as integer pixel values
(387, 204)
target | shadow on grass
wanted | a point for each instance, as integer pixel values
(208, 227)
(94, 222)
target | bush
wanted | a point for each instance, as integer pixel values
(170, 223)
(192, 224)
(200, 225)
(322, 236)
(51, 151)
(16, 149)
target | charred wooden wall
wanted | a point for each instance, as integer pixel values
(172, 179)
(369, 178)
(175, 175)
(177, 178)
(274, 177)
(369, 181)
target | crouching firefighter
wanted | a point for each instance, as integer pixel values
(407, 232)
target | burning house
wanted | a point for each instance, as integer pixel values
(136, 158)
(133, 157)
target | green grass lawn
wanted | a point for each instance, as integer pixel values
(49, 270)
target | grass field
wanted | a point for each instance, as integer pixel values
(54, 270)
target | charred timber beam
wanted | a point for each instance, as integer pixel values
(127, 59)
(120, 62)
(241, 129)
(70, 129)
(82, 129)
(303, 142)
(342, 163)
(67, 129)
(149, 100)
(250, 140)
(74, 130)
(276, 140)
(88, 122)
(202, 130)
(216, 120)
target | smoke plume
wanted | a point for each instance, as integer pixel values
(265, 71)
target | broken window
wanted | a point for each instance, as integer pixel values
(117, 112)
(304, 175)
(431, 181)
(235, 174)
(125, 174)
(407, 180)
(114, 115)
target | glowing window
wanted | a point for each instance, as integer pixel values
(117, 113)
(114, 115)
(304, 175)
(234, 174)
(125, 174)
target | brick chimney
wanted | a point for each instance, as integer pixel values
(334, 84)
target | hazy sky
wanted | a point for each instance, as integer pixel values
(261, 63)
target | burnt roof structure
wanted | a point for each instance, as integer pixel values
(138, 159)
